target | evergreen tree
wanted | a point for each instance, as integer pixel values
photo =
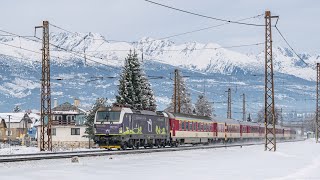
(134, 87)
(16, 109)
(249, 118)
(203, 107)
(185, 98)
(100, 102)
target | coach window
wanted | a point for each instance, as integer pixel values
(190, 126)
(187, 125)
(180, 127)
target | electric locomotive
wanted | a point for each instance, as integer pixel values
(121, 127)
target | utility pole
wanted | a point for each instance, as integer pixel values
(179, 91)
(318, 107)
(244, 117)
(175, 91)
(269, 111)
(9, 132)
(46, 119)
(281, 117)
(229, 104)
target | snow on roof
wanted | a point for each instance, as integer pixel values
(66, 112)
(225, 120)
(18, 116)
(14, 117)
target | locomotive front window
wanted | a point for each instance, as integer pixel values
(109, 116)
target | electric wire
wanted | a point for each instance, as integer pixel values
(204, 16)
(285, 40)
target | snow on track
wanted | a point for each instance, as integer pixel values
(294, 160)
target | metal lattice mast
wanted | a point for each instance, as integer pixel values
(45, 134)
(229, 104)
(318, 101)
(269, 120)
(175, 91)
(179, 91)
(244, 107)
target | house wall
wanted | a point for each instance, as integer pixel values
(17, 130)
(62, 137)
(3, 136)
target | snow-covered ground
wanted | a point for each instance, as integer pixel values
(6, 150)
(297, 160)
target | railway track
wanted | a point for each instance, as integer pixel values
(63, 155)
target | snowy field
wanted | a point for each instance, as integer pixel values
(6, 150)
(296, 160)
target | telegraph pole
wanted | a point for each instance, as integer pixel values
(179, 91)
(229, 104)
(244, 107)
(318, 107)
(175, 91)
(9, 132)
(281, 117)
(269, 115)
(45, 133)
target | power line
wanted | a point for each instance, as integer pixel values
(204, 16)
(39, 41)
(285, 40)
(206, 28)
(192, 49)
(62, 28)
(20, 48)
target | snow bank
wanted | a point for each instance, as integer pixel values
(299, 160)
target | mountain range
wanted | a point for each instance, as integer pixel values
(87, 66)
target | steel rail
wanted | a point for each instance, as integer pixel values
(64, 155)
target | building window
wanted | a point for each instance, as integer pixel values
(60, 118)
(9, 133)
(75, 131)
(54, 132)
(72, 117)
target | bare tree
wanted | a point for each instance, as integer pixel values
(277, 115)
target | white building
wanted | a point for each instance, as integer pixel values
(68, 129)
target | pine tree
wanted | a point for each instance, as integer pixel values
(134, 87)
(249, 118)
(203, 107)
(16, 109)
(185, 98)
(100, 102)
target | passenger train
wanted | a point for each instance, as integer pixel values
(121, 128)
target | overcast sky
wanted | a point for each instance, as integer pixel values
(133, 19)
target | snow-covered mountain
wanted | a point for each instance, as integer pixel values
(210, 64)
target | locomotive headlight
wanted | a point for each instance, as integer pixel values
(120, 130)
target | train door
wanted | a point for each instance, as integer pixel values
(130, 122)
(214, 129)
(225, 131)
(241, 130)
(172, 127)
